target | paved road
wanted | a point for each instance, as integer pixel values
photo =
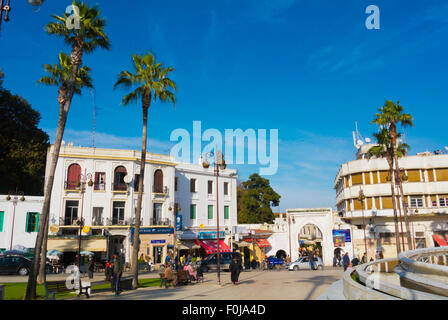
(254, 285)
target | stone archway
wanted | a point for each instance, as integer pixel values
(322, 220)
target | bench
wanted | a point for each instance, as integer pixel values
(183, 277)
(53, 287)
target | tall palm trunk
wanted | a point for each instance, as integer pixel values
(405, 207)
(40, 246)
(394, 205)
(136, 244)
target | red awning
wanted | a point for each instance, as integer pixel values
(439, 240)
(262, 243)
(210, 246)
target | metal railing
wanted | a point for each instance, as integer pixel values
(119, 186)
(159, 189)
(72, 185)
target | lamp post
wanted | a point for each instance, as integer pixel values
(361, 198)
(83, 180)
(5, 7)
(15, 199)
(217, 163)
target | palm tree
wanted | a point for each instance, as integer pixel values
(383, 149)
(89, 36)
(59, 75)
(149, 81)
(389, 116)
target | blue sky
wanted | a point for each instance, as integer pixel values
(307, 68)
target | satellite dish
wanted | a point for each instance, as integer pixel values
(368, 140)
(127, 179)
(360, 142)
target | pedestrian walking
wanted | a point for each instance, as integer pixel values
(364, 258)
(117, 271)
(91, 267)
(311, 257)
(335, 260)
(235, 270)
(346, 261)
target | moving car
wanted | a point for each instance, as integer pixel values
(303, 263)
(14, 264)
(211, 262)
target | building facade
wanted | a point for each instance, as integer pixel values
(372, 219)
(107, 202)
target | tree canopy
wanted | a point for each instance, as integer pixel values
(23, 146)
(255, 199)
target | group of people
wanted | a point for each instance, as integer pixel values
(345, 262)
(186, 263)
(114, 270)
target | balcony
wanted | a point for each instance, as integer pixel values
(119, 186)
(160, 222)
(159, 189)
(72, 185)
(97, 186)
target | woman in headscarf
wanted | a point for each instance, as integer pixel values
(235, 269)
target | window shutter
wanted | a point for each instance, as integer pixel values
(2, 214)
(226, 212)
(27, 221)
(36, 228)
(210, 212)
(193, 211)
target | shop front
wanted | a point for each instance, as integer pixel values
(154, 243)
(69, 247)
(202, 243)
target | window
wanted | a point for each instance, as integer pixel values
(226, 212)
(2, 217)
(100, 181)
(416, 202)
(210, 212)
(192, 211)
(119, 174)
(73, 177)
(158, 181)
(157, 214)
(413, 175)
(442, 174)
(443, 201)
(118, 212)
(97, 216)
(175, 184)
(71, 212)
(226, 188)
(192, 185)
(356, 179)
(210, 187)
(136, 182)
(32, 222)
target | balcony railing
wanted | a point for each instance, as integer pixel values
(159, 189)
(99, 186)
(97, 221)
(72, 185)
(160, 222)
(118, 186)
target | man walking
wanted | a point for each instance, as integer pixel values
(364, 258)
(346, 261)
(91, 267)
(117, 269)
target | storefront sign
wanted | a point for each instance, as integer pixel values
(211, 234)
(178, 222)
(340, 236)
(158, 230)
(158, 241)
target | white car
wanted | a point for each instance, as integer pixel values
(303, 263)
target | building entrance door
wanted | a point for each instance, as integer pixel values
(157, 254)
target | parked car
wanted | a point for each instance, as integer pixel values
(303, 263)
(275, 263)
(15, 264)
(211, 262)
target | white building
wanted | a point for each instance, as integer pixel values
(426, 194)
(24, 218)
(109, 202)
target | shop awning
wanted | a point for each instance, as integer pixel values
(210, 246)
(262, 243)
(188, 245)
(242, 244)
(67, 245)
(439, 240)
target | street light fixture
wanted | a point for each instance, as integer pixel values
(5, 7)
(218, 163)
(15, 199)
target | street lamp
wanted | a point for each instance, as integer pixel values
(83, 180)
(361, 198)
(15, 199)
(5, 7)
(218, 163)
